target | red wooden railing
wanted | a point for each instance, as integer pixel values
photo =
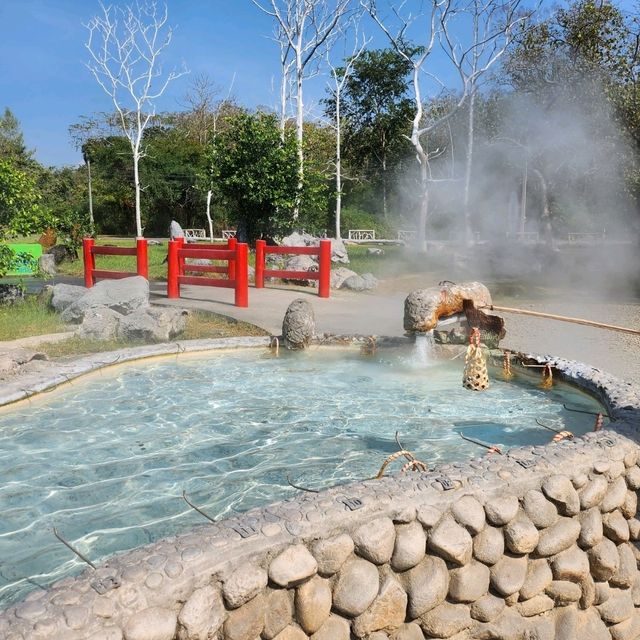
(236, 255)
(323, 276)
(90, 251)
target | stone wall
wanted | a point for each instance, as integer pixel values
(537, 544)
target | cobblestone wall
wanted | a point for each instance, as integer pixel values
(538, 544)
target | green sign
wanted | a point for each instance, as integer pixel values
(26, 259)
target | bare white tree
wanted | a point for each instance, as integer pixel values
(125, 45)
(340, 77)
(304, 29)
(493, 24)
(434, 23)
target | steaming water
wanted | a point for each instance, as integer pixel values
(106, 460)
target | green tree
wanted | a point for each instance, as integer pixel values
(12, 146)
(256, 174)
(377, 114)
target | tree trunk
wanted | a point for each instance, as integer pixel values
(385, 211)
(523, 200)
(424, 202)
(338, 169)
(545, 216)
(468, 167)
(299, 137)
(209, 216)
(91, 221)
(136, 179)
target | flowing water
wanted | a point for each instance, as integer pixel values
(106, 459)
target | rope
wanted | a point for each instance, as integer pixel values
(553, 316)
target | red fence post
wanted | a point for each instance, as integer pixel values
(242, 279)
(232, 243)
(180, 242)
(324, 283)
(259, 277)
(89, 261)
(142, 258)
(173, 269)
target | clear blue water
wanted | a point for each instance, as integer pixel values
(106, 459)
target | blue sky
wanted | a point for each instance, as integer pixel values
(44, 81)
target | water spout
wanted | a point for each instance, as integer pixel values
(423, 350)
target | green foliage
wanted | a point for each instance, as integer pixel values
(353, 218)
(256, 174)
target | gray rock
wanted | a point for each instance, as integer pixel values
(469, 513)
(301, 263)
(154, 623)
(559, 489)
(538, 578)
(335, 628)
(449, 540)
(47, 264)
(278, 613)
(124, 296)
(387, 611)
(409, 631)
(592, 628)
(339, 275)
(593, 493)
(296, 239)
(566, 624)
(603, 592)
(563, 592)
(488, 545)
(633, 478)
(331, 553)
(375, 251)
(591, 531)
(355, 588)
(615, 496)
(365, 282)
(243, 585)
(64, 295)
(410, 545)
(61, 253)
(428, 516)
(469, 583)
(603, 560)
(298, 325)
(520, 535)
(627, 572)
(339, 251)
(375, 540)
(618, 607)
(630, 505)
(446, 620)
(558, 537)
(508, 575)
(293, 566)
(247, 622)
(100, 324)
(201, 615)
(615, 526)
(539, 510)
(501, 510)
(487, 608)
(426, 585)
(153, 324)
(535, 606)
(313, 604)
(572, 564)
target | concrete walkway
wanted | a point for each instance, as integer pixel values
(345, 312)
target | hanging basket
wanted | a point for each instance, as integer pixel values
(475, 377)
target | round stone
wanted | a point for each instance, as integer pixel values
(558, 537)
(539, 510)
(387, 611)
(410, 545)
(293, 566)
(520, 535)
(538, 578)
(243, 585)
(593, 493)
(469, 583)
(591, 531)
(508, 575)
(563, 592)
(203, 613)
(501, 510)
(356, 587)
(375, 540)
(560, 490)
(313, 604)
(603, 560)
(487, 608)
(450, 541)
(331, 553)
(426, 585)
(615, 496)
(469, 513)
(488, 545)
(154, 623)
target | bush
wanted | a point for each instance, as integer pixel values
(353, 218)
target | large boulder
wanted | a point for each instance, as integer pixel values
(47, 264)
(100, 324)
(296, 239)
(60, 253)
(339, 251)
(298, 325)
(124, 296)
(339, 275)
(152, 324)
(301, 263)
(64, 295)
(423, 308)
(365, 282)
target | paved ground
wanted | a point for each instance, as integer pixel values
(381, 313)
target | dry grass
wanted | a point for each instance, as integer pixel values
(200, 325)
(29, 318)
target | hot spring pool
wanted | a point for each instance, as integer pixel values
(106, 460)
